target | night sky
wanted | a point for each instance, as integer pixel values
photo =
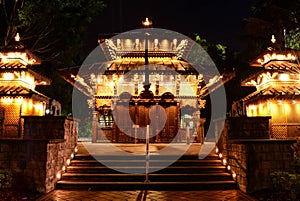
(218, 21)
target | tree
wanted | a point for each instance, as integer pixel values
(272, 17)
(218, 52)
(52, 29)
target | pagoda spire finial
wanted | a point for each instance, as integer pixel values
(273, 39)
(17, 37)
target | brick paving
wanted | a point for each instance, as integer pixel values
(216, 195)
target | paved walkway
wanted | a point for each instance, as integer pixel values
(140, 149)
(218, 195)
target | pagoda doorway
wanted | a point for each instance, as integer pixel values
(161, 114)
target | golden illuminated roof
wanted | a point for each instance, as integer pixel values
(282, 60)
(18, 57)
(133, 44)
(21, 60)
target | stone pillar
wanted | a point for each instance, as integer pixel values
(94, 126)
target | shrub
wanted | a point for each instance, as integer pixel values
(5, 178)
(286, 184)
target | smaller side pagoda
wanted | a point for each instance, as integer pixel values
(18, 78)
(277, 91)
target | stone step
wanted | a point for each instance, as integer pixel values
(221, 176)
(141, 169)
(141, 157)
(167, 172)
(142, 162)
(116, 185)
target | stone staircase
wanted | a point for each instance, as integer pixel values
(187, 173)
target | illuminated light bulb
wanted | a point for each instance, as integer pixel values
(68, 162)
(58, 175)
(224, 161)
(76, 149)
(72, 155)
(220, 155)
(260, 61)
(64, 168)
(217, 150)
(233, 175)
(228, 167)
(294, 102)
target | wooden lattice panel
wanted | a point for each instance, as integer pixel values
(11, 120)
(279, 132)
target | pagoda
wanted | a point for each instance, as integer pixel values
(19, 77)
(143, 70)
(277, 94)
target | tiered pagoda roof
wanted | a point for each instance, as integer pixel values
(126, 53)
(19, 71)
(279, 75)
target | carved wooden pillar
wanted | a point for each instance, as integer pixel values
(177, 84)
(157, 85)
(136, 84)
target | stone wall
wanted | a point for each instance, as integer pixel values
(248, 127)
(39, 157)
(253, 158)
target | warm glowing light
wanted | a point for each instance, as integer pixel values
(58, 176)
(294, 102)
(68, 162)
(111, 84)
(228, 167)
(273, 39)
(279, 102)
(72, 155)
(252, 107)
(12, 56)
(17, 37)
(8, 76)
(233, 175)
(284, 77)
(217, 150)
(64, 168)
(147, 22)
(224, 161)
(19, 100)
(220, 155)
(268, 57)
(76, 150)
(7, 100)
